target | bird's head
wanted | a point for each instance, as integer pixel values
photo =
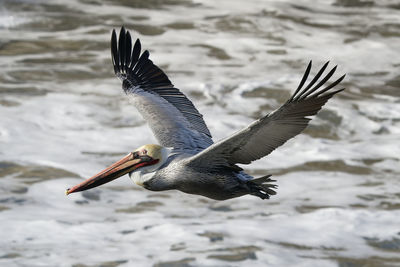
(146, 158)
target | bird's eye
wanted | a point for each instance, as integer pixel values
(144, 151)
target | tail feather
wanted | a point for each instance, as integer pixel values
(262, 187)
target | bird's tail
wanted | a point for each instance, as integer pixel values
(262, 187)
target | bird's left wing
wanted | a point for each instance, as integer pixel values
(264, 135)
(172, 117)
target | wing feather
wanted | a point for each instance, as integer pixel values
(174, 119)
(266, 134)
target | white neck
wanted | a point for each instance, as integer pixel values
(143, 174)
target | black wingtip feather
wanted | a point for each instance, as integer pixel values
(135, 53)
(314, 92)
(303, 80)
(122, 48)
(114, 52)
(128, 55)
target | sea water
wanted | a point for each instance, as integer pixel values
(64, 117)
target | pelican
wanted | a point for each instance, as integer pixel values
(186, 157)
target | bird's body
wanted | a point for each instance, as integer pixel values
(187, 159)
(177, 173)
(200, 181)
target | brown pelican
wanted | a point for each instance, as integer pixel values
(187, 159)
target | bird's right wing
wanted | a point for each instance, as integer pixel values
(172, 117)
(264, 135)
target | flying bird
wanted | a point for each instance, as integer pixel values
(186, 157)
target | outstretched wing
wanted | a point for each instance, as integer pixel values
(172, 117)
(264, 135)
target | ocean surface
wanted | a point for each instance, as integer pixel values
(64, 117)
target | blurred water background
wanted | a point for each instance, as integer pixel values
(64, 117)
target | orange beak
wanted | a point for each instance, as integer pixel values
(125, 165)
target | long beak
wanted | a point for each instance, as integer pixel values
(119, 168)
